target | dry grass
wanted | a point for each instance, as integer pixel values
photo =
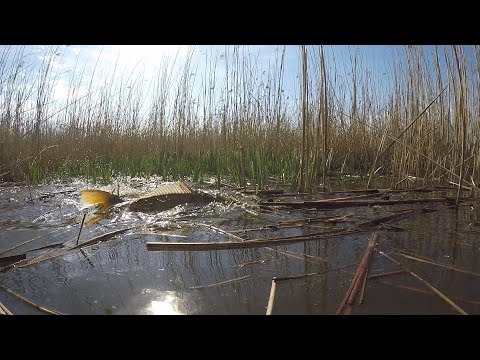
(243, 124)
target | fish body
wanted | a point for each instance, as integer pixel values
(165, 197)
(164, 202)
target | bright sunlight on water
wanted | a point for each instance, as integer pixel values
(121, 276)
(166, 306)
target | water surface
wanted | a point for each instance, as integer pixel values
(120, 276)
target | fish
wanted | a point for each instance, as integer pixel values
(164, 197)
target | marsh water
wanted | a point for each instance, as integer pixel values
(120, 276)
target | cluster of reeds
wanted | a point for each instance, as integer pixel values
(243, 122)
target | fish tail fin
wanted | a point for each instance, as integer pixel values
(101, 198)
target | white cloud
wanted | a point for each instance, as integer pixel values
(62, 90)
(147, 56)
(144, 59)
(76, 49)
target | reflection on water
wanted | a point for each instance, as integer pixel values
(158, 302)
(167, 304)
(120, 276)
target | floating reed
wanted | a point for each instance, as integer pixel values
(30, 302)
(327, 204)
(345, 307)
(231, 281)
(245, 244)
(45, 257)
(431, 287)
(271, 298)
(4, 310)
(426, 292)
(431, 262)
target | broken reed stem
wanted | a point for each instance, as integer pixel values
(404, 131)
(81, 227)
(356, 197)
(92, 241)
(362, 291)
(304, 256)
(268, 227)
(293, 255)
(467, 188)
(303, 221)
(408, 147)
(372, 171)
(209, 246)
(393, 217)
(295, 277)
(100, 238)
(427, 261)
(231, 281)
(431, 287)
(392, 227)
(426, 292)
(327, 204)
(295, 223)
(59, 244)
(302, 276)
(254, 243)
(385, 274)
(466, 244)
(29, 241)
(230, 235)
(244, 240)
(401, 181)
(261, 261)
(271, 298)
(346, 305)
(4, 310)
(30, 302)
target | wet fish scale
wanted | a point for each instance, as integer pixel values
(169, 189)
(164, 197)
(165, 202)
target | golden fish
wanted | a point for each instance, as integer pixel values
(163, 198)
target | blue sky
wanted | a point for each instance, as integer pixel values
(88, 67)
(148, 57)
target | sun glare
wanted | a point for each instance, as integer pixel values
(167, 306)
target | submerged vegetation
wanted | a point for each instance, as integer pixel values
(241, 122)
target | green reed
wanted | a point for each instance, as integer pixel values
(240, 123)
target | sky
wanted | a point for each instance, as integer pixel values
(148, 58)
(80, 69)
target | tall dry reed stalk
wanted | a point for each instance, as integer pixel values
(234, 116)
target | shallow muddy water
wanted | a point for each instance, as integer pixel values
(120, 276)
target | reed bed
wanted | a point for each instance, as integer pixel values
(242, 122)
